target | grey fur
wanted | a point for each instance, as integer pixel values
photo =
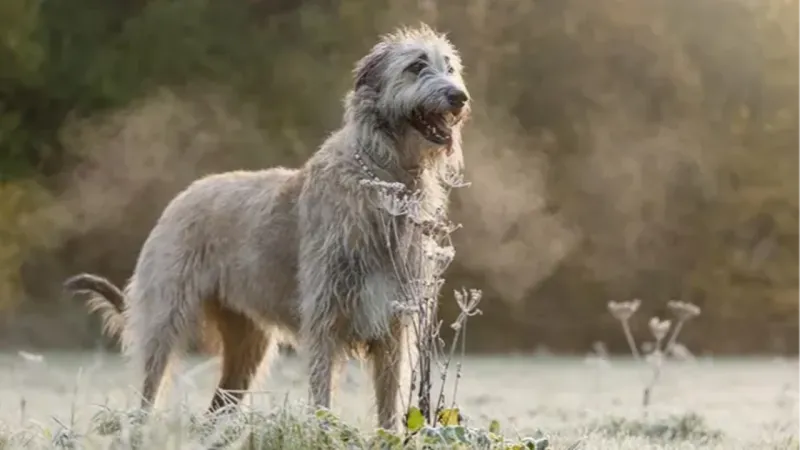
(302, 253)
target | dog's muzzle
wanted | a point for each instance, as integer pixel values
(436, 126)
(457, 98)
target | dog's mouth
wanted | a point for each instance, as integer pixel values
(435, 127)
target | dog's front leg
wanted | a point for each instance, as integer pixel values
(390, 365)
(322, 372)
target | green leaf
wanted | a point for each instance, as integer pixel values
(325, 415)
(536, 443)
(414, 419)
(496, 438)
(455, 434)
(432, 436)
(447, 417)
(388, 439)
(494, 427)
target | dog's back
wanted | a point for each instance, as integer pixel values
(223, 253)
(210, 242)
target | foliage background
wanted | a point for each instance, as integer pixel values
(619, 149)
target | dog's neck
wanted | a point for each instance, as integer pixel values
(395, 166)
(409, 177)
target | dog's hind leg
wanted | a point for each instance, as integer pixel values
(159, 338)
(244, 346)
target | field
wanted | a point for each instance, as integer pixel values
(707, 403)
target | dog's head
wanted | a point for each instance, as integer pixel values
(412, 79)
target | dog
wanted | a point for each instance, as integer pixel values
(306, 255)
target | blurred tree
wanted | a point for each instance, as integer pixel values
(663, 152)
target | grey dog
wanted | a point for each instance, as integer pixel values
(297, 255)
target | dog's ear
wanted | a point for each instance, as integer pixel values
(368, 69)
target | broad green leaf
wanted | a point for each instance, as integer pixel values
(414, 419)
(494, 427)
(447, 417)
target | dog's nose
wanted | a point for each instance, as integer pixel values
(457, 98)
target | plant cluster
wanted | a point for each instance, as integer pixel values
(665, 342)
(249, 429)
(419, 243)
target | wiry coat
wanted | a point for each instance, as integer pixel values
(305, 254)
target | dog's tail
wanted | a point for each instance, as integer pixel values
(105, 298)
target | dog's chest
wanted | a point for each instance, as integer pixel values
(396, 226)
(385, 264)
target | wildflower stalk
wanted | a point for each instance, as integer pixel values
(623, 311)
(683, 313)
(467, 302)
(446, 366)
(458, 366)
(418, 242)
(675, 332)
(660, 329)
(626, 328)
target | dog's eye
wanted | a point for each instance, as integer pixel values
(416, 67)
(450, 70)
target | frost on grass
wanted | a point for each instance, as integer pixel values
(685, 427)
(291, 427)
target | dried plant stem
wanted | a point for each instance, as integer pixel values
(425, 388)
(674, 337)
(631, 342)
(446, 367)
(656, 365)
(426, 355)
(460, 361)
(648, 390)
(659, 354)
(419, 264)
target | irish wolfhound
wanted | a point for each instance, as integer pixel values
(270, 255)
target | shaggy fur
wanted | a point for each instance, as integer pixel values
(280, 254)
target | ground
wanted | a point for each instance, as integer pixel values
(577, 403)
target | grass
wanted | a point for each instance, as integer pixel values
(86, 401)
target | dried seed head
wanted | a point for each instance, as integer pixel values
(683, 310)
(454, 179)
(441, 257)
(659, 328)
(394, 205)
(623, 310)
(414, 207)
(406, 308)
(459, 297)
(438, 230)
(471, 300)
(468, 303)
(423, 289)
